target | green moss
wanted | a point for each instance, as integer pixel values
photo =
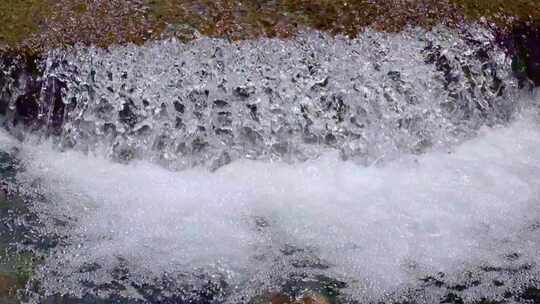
(80, 8)
(263, 17)
(24, 266)
(8, 289)
(21, 19)
(174, 13)
(18, 268)
(64, 22)
(501, 10)
(4, 204)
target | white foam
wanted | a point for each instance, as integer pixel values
(7, 142)
(438, 211)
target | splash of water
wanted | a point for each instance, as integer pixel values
(378, 227)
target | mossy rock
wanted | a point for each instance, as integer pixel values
(20, 266)
(501, 11)
(42, 24)
(265, 17)
(8, 288)
(21, 19)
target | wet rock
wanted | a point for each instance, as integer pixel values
(278, 298)
(28, 99)
(531, 294)
(309, 288)
(179, 107)
(316, 299)
(244, 91)
(220, 104)
(52, 99)
(523, 43)
(183, 31)
(304, 289)
(531, 50)
(452, 298)
(8, 287)
(17, 269)
(395, 75)
(8, 166)
(89, 299)
(253, 112)
(330, 139)
(174, 290)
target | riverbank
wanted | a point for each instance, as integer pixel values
(44, 24)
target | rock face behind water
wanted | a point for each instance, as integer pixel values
(526, 40)
(27, 99)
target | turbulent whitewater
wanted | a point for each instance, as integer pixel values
(378, 162)
(210, 102)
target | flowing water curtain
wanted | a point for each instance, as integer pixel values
(209, 102)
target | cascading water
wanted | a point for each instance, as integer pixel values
(210, 102)
(216, 171)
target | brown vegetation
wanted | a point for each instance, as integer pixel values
(42, 24)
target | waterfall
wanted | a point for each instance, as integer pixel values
(385, 167)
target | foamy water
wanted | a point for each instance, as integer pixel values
(378, 161)
(377, 227)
